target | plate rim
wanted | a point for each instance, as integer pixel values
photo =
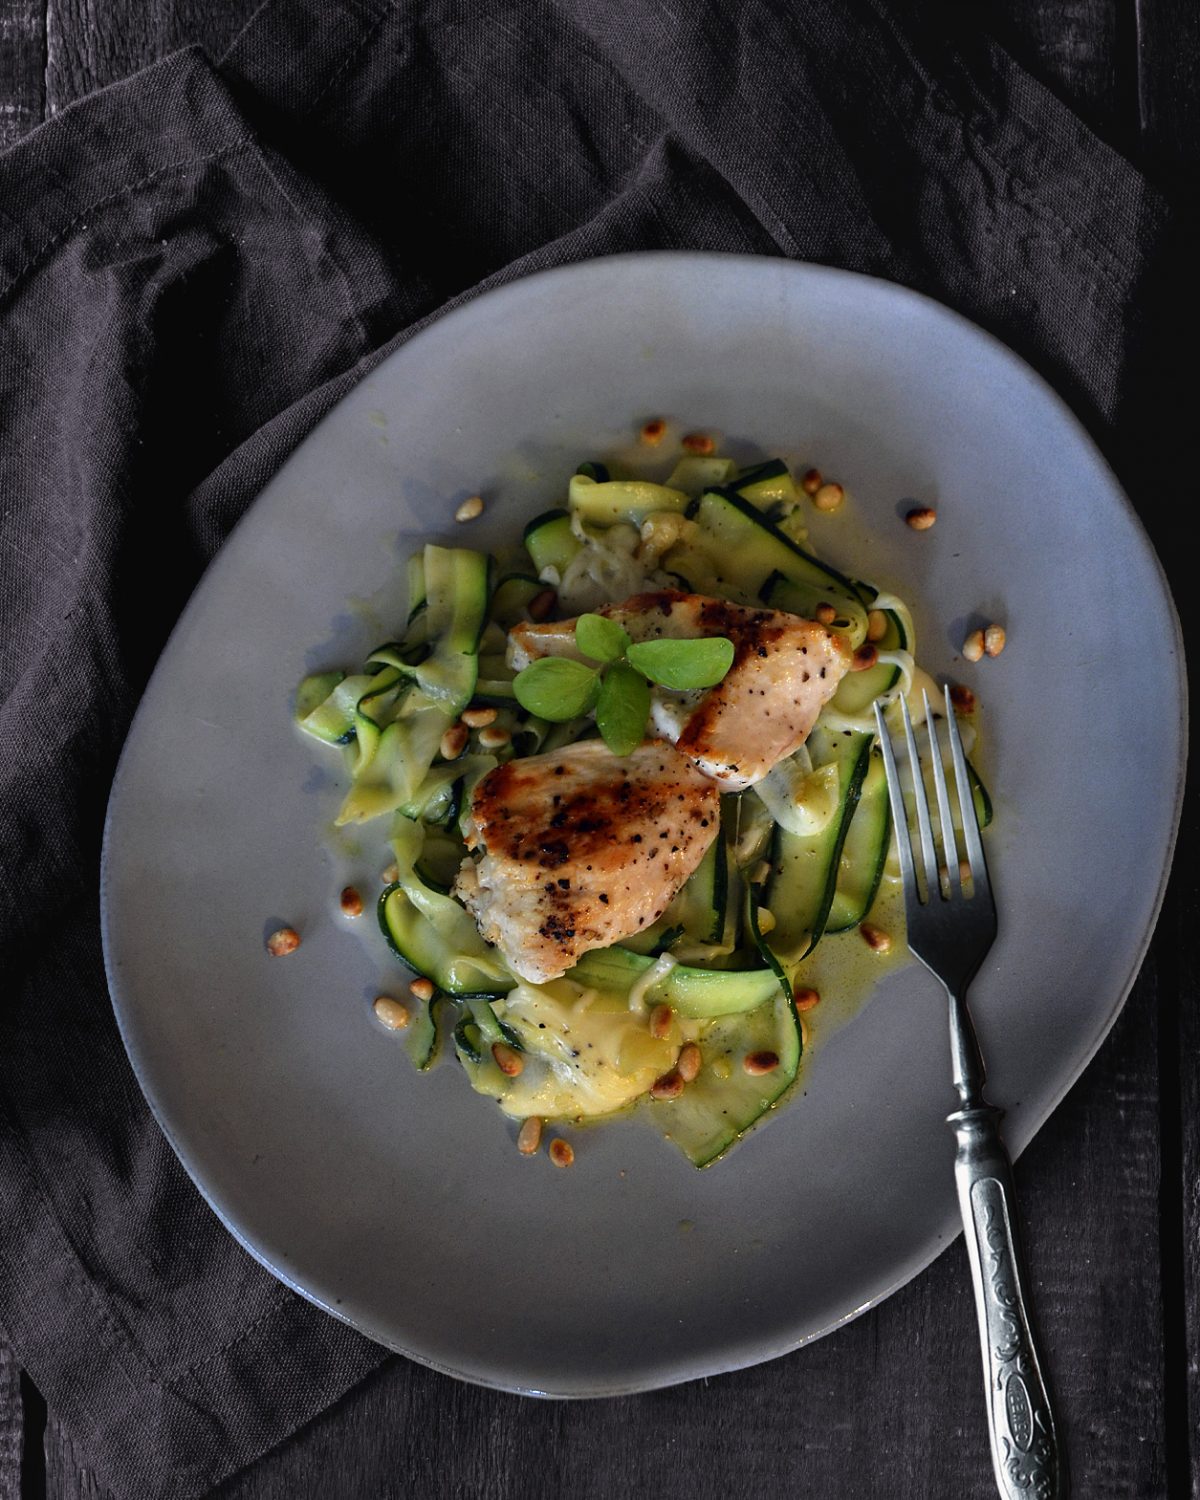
(462, 307)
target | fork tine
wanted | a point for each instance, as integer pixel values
(949, 846)
(966, 802)
(922, 804)
(899, 816)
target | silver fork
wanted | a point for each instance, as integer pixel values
(951, 926)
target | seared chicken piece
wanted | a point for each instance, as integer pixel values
(581, 849)
(785, 669)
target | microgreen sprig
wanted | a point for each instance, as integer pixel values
(623, 708)
(560, 688)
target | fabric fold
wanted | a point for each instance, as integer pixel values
(170, 285)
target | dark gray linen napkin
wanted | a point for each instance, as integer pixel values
(194, 265)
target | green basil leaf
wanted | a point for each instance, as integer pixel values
(556, 688)
(684, 664)
(600, 638)
(623, 708)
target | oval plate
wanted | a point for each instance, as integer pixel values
(397, 1201)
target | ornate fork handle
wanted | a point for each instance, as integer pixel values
(1026, 1457)
(951, 928)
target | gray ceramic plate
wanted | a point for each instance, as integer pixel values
(397, 1201)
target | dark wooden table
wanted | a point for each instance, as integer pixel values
(891, 1406)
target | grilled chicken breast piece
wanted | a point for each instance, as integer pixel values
(582, 848)
(785, 669)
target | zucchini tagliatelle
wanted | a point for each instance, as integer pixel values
(695, 1011)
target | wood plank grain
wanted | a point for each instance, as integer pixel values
(1168, 51)
(1082, 49)
(68, 1475)
(1183, 1345)
(1180, 1202)
(12, 1423)
(89, 46)
(1168, 56)
(22, 67)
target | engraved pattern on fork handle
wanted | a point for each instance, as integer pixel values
(1026, 1457)
(951, 930)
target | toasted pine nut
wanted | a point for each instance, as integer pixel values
(758, 1063)
(478, 718)
(659, 534)
(875, 939)
(669, 1086)
(351, 902)
(766, 920)
(805, 1032)
(653, 432)
(541, 604)
(962, 699)
(973, 646)
(286, 940)
(508, 1061)
(688, 1063)
(469, 509)
(421, 989)
(866, 656)
(825, 614)
(994, 640)
(964, 874)
(699, 442)
(561, 1154)
(877, 624)
(390, 1013)
(494, 738)
(391, 874)
(829, 497)
(922, 517)
(807, 999)
(661, 1018)
(529, 1137)
(454, 742)
(812, 481)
